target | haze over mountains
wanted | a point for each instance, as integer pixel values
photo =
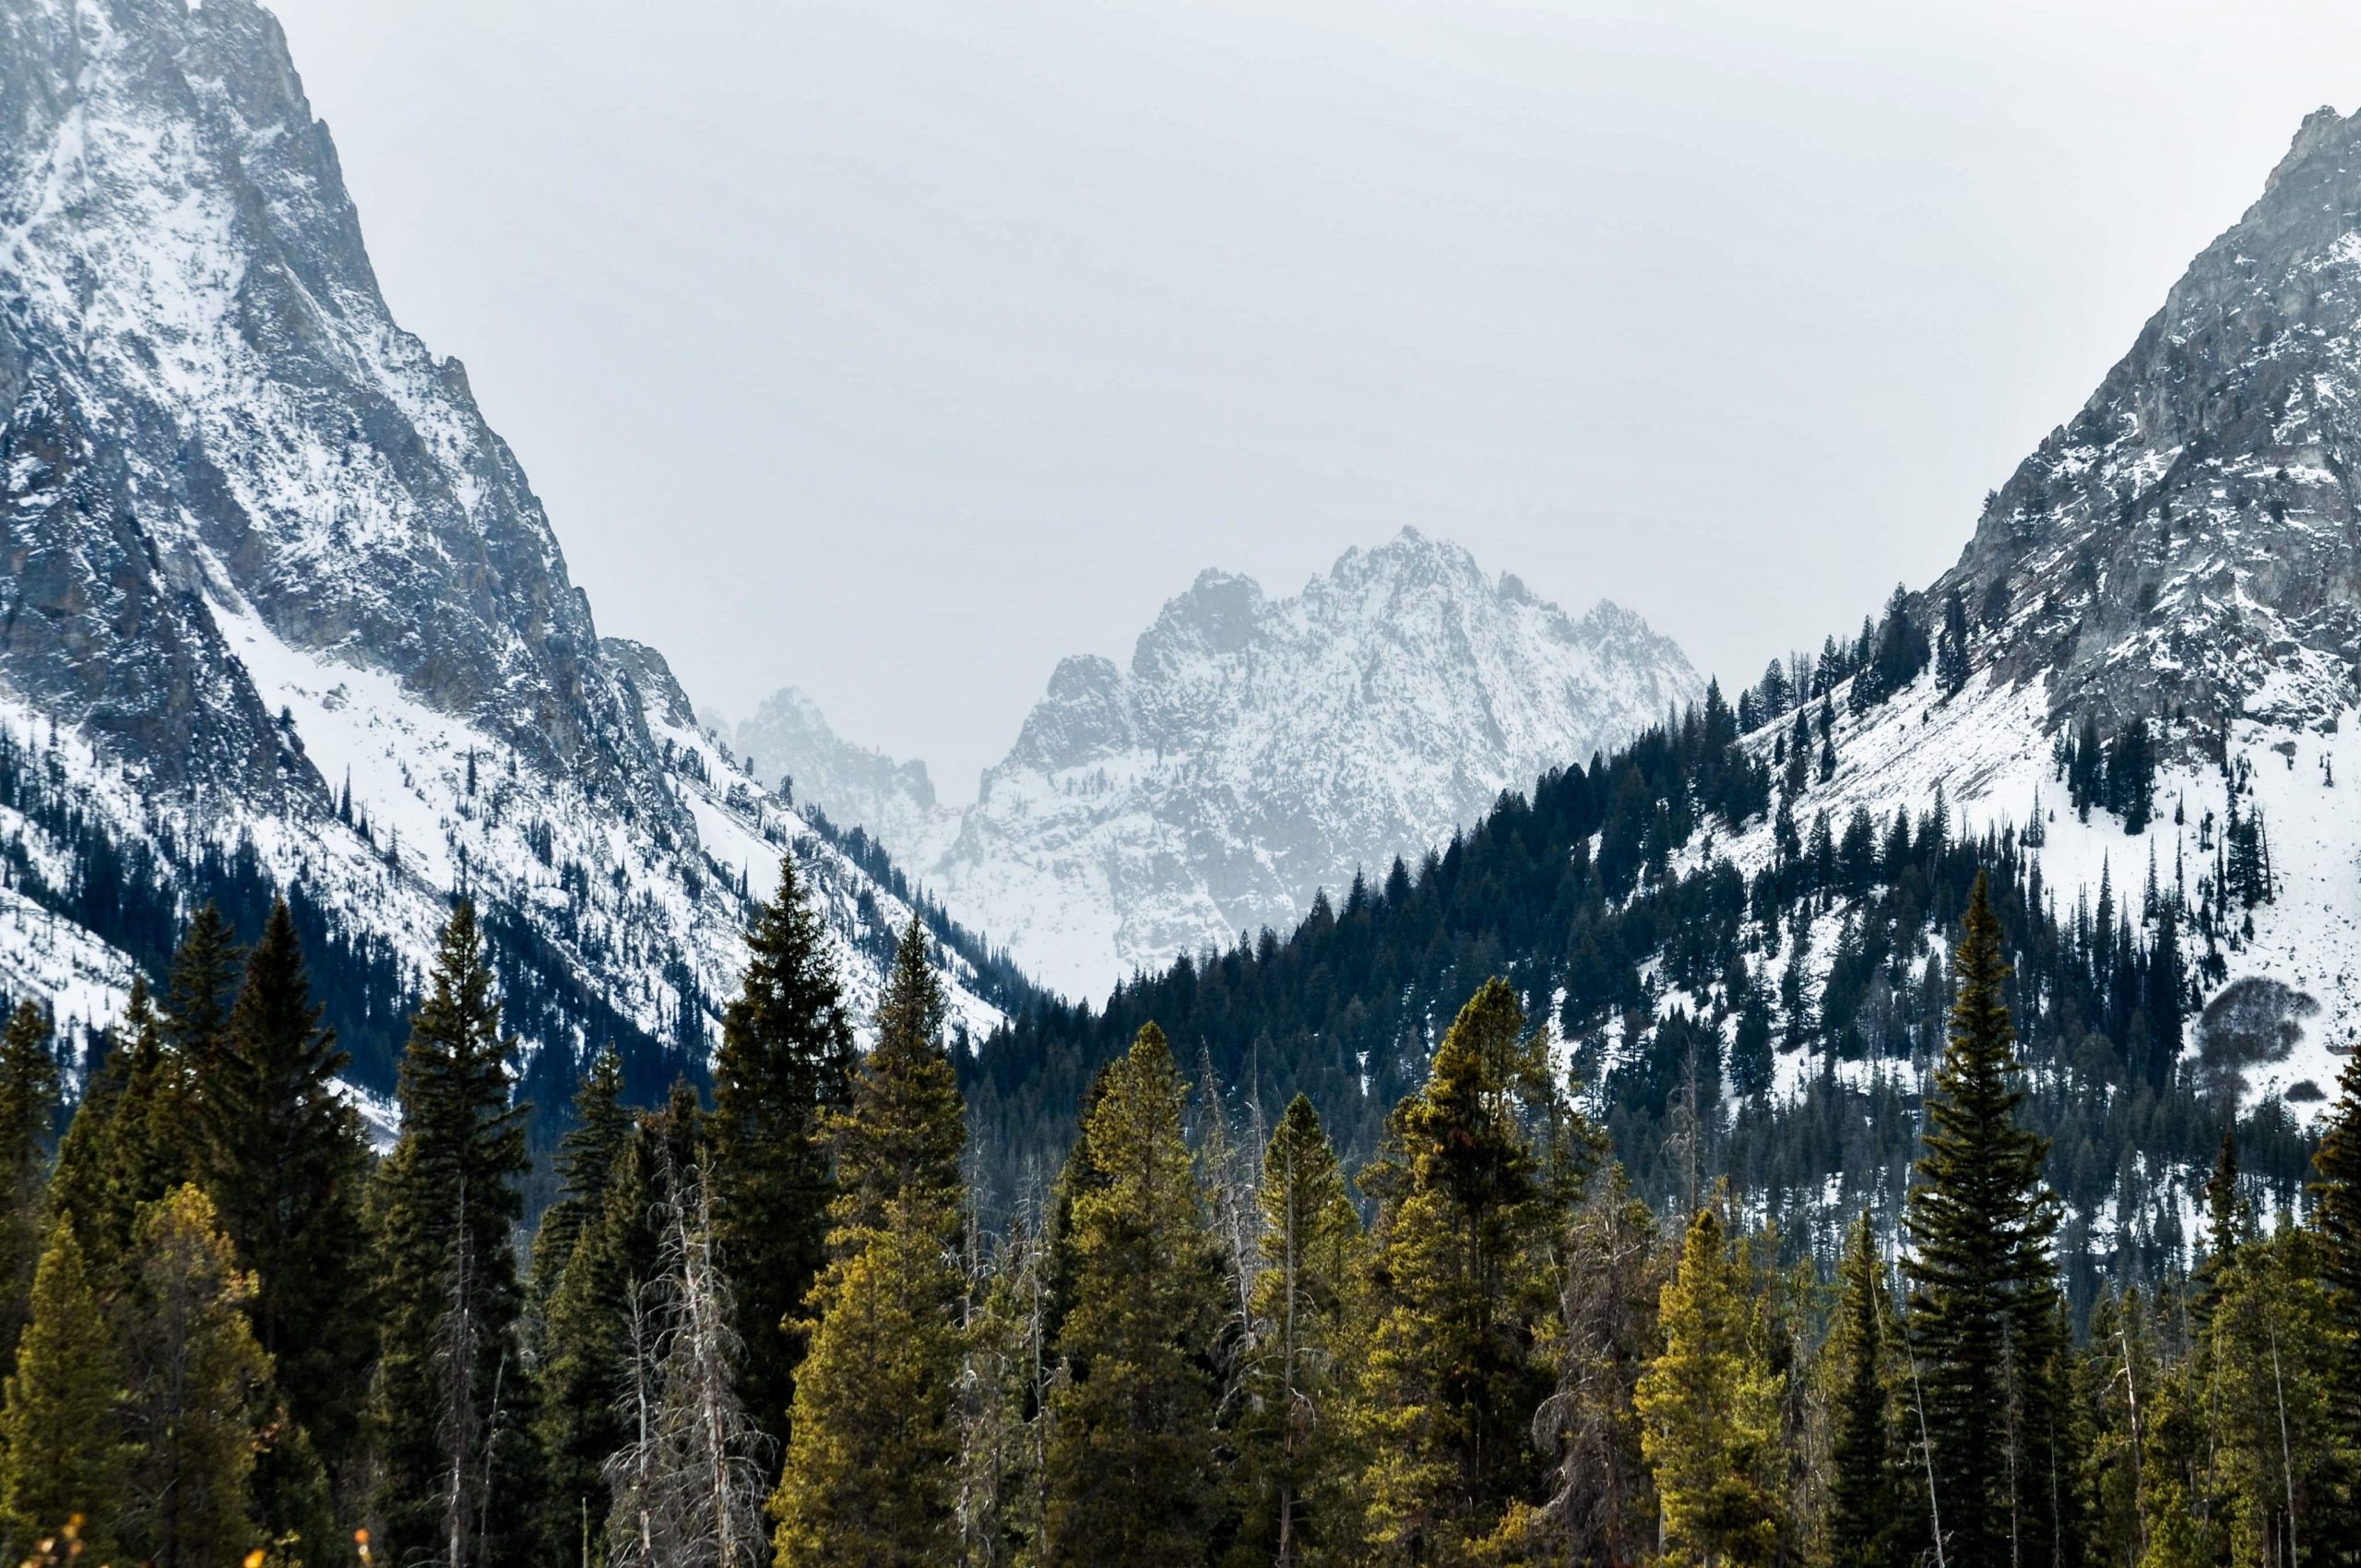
(1254, 753)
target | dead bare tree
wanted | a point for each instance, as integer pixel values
(689, 1486)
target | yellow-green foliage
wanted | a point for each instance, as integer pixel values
(1709, 1407)
(195, 1382)
(64, 1456)
(1130, 1458)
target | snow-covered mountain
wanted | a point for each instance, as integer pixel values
(279, 610)
(1255, 752)
(2185, 552)
(789, 743)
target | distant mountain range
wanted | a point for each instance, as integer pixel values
(1254, 752)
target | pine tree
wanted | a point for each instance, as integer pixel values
(1288, 1436)
(197, 992)
(451, 1399)
(28, 1090)
(2223, 1223)
(1950, 648)
(899, 1139)
(287, 1163)
(2283, 1449)
(871, 1467)
(1132, 1431)
(61, 1452)
(871, 1461)
(2086, 769)
(154, 1138)
(2336, 1217)
(589, 1316)
(1709, 1408)
(78, 1186)
(786, 1058)
(1869, 1522)
(1985, 1308)
(586, 1168)
(196, 1383)
(1478, 1174)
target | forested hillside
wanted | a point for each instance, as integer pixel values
(1778, 1029)
(774, 1325)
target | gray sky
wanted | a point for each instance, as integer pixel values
(896, 348)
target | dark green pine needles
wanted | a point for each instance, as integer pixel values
(452, 1404)
(786, 1057)
(1985, 1318)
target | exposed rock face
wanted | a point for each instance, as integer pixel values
(2188, 542)
(262, 552)
(1255, 752)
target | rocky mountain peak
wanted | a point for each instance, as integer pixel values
(1259, 750)
(2187, 544)
(1219, 614)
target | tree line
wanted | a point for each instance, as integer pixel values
(772, 1323)
(1782, 1023)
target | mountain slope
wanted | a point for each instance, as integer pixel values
(2132, 702)
(1255, 752)
(289, 603)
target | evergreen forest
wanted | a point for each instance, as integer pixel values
(784, 1314)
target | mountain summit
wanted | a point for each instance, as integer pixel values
(1255, 752)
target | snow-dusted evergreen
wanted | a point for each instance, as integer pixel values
(1255, 752)
(272, 591)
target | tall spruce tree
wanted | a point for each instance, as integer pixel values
(154, 1139)
(586, 1154)
(197, 1393)
(1985, 1308)
(899, 1140)
(198, 992)
(786, 1058)
(2336, 1217)
(872, 1464)
(452, 1401)
(287, 1165)
(1709, 1412)
(29, 1090)
(1870, 1517)
(1289, 1432)
(62, 1455)
(1131, 1451)
(589, 1314)
(78, 1185)
(2223, 1225)
(1478, 1177)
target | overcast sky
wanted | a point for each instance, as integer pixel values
(895, 349)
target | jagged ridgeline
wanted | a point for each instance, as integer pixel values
(2130, 701)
